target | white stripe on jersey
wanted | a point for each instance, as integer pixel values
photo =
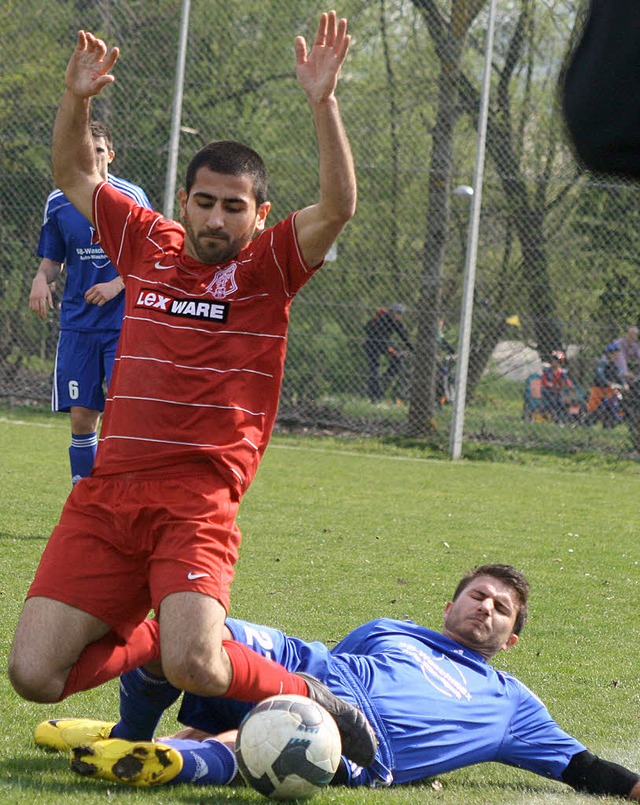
(204, 330)
(194, 368)
(164, 284)
(238, 475)
(187, 404)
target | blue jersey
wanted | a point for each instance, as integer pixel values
(436, 706)
(66, 237)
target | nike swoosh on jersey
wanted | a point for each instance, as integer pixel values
(191, 575)
(160, 266)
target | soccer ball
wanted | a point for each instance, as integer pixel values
(288, 747)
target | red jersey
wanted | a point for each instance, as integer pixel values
(202, 347)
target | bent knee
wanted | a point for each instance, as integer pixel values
(33, 685)
(200, 678)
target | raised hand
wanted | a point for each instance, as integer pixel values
(318, 70)
(89, 66)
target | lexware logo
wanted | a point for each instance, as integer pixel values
(187, 308)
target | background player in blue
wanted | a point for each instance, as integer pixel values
(433, 698)
(92, 308)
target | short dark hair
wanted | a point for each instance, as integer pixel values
(509, 575)
(236, 159)
(101, 129)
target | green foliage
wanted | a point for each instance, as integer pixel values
(582, 234)
(319, 358)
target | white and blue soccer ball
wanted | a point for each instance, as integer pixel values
(288, 747)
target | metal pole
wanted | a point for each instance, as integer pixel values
(464, 338)
(176, 114)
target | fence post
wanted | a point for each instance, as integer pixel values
(176, 114)
(466, 311)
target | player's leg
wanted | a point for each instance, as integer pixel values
(49, 638)
(196, 543)
(59, 650)
(77, 388)
(144, 696)
(84, 441)
(84, 620)
(190, 578)
(195, 659)
(169, 761)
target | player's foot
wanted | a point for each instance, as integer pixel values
(130, 762)
(359, 742)
(63, 734)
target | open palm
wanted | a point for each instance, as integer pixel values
(318, 69)
(89, 66)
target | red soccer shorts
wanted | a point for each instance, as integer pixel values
(124, 542)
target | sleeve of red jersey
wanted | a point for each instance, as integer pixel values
(116, 218)
(283, 257)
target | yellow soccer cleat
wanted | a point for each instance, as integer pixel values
(64, 734)
(140, 763)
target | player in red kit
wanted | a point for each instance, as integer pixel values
(191, 406)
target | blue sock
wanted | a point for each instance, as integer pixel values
(143, 699)
(81, 455)
(206, 762)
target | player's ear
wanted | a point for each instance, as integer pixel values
(512, 640)
(111, 156)
(261, 215)
(182, 195)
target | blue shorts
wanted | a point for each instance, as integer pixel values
(84, 363)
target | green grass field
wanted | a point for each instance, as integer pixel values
(337, 532)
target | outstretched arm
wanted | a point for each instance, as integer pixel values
(73, 155)
(587, 772)
(319, 225)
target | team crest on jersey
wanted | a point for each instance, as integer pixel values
(224, 282)
(187, 308)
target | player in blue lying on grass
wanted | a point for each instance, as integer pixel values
(434, 700)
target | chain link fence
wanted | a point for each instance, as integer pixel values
(557, 249)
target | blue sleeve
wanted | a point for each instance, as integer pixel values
(534, 741)
(134, 191)
(51, 244)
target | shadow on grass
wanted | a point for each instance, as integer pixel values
(29, 779)
(24, 537)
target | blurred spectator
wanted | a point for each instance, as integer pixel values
(555, 382)
(385, 334)
(445, 374)
(628, 356)
(605, 399)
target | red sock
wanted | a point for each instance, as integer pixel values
(112, 655)
(256, 677)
